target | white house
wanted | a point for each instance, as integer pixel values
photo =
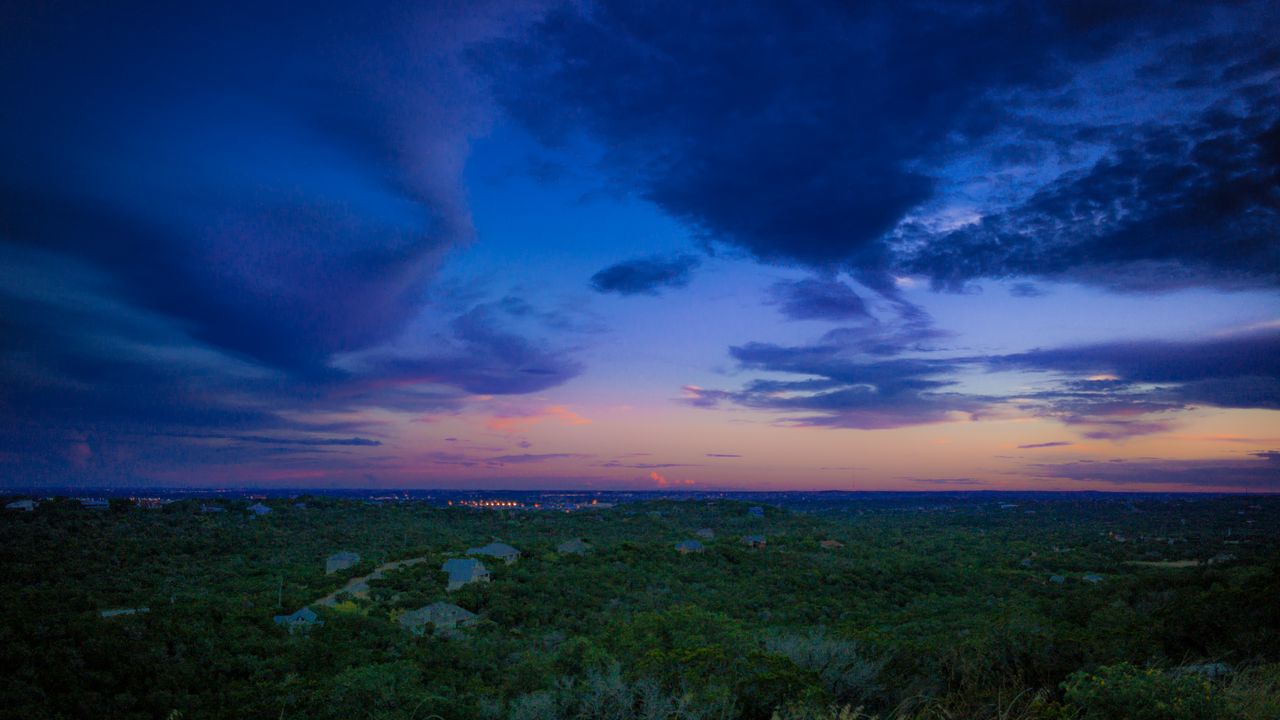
(464, 571)
(444, 618)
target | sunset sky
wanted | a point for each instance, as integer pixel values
(871, 245)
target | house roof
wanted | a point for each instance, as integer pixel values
(572, 546)
(440, 614)
(689, 545)
(342, 561)
(463, 570)
(753, 538)
(495, 549)
(305, 616)
(258, 509)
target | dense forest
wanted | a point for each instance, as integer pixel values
(1140, 607)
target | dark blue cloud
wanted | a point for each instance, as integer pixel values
(282, 190)
(1104, 391)
(1189, 474)
(1024, 289)
(215, 221)
(531, 458)
(302, 441)
(1166, 207)
(642, 466)
(1240, 370)
(817, 134)
(949, 481)
(486, 359)
(95, 389)
(847, 391)
(818, 299)
(645, 276)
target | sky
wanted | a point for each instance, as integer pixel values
(848, 246)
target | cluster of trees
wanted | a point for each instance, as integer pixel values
(942, 611)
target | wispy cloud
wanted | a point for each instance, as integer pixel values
(645, 276)
(522, 422)
(533, 458)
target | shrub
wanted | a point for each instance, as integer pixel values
(1124, 692)
(846, 671)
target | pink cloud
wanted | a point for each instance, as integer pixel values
(663, 481)
(519, 423)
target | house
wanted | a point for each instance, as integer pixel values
(689, 546)
(572, 547)
(1221, 558)
(706, 533)
(27, 505)
(117, 612)
(756, 512)
(1057, 579)
(755, 541)
(443, 617)
(95, 503)
(464, 571)
(212, 509)
(258, 509)
(340, 561)
(1025, 562)
(502, 551)
(1094, 578)
(300, 620)
(831, 544)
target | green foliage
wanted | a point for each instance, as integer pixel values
(925, 612)
(1124, 692)
(379, 692)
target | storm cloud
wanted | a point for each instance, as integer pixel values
(206, 210)
(822, 134)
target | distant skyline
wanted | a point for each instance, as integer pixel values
(855, 246)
